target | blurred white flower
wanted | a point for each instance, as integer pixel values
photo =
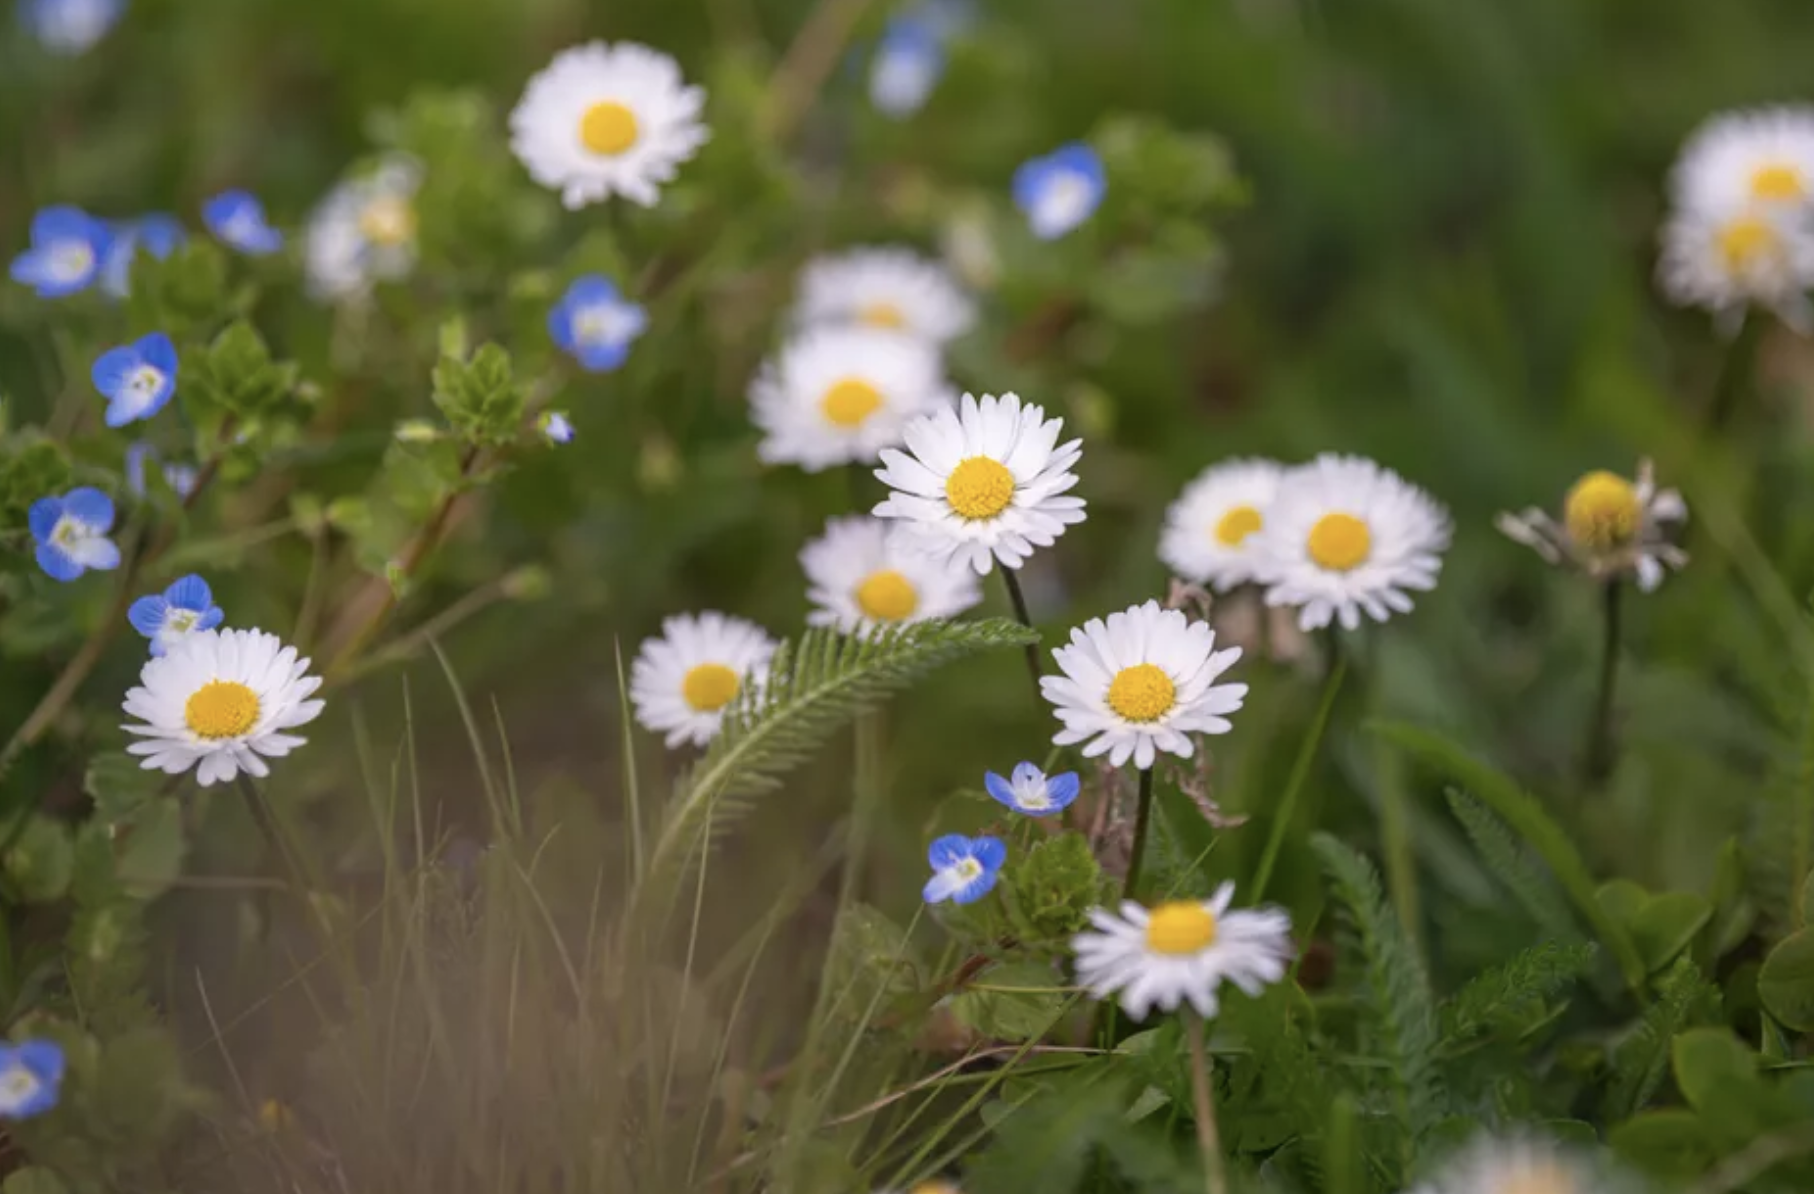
(363, 232)
(1209, 530)
(837, 395)
(1610, 526)
(888, 288)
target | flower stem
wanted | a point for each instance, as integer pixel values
(1143, 816)
(1019, 601)
(1735, 373)
(1602, 749)
(1300, 772)
(1214, 1180)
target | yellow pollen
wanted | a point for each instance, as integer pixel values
(1601, 511)
(1142, 693)
(937, 1185)
(887, 596)
(709, 687)
(979, 488)
(1237, 524)
(221, 709)
(1777, 182)
(1340, 542)
(1541, 1177)
(1744, 241)
(849, 401)
(1180, 927)
(882, 315)
(607, 128)
(387, 221)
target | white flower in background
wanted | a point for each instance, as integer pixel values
(863, 573)
(1724, 259)
(220, 702)
(888, 288)
(682, 682)
(1522, 1165)
(835, 395)
(606, 119)
(1141, 682)
(69, 27)
(1761, 156)
(1209, 530)
(1610, 526)
(363, 232)
(986, 481)
(1182, 952)
(1345, 535)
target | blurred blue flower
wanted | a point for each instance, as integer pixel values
(31, 1074)
(69, 26)
(964, 869)
(180, 477)
(72, 533)
(595, 324)
(555, 426)
(907, 64)
(1030, 792)
(185, 607)
(237, 220)
(137, 379)
(158, 234)
(67, 248)
(1061, 190)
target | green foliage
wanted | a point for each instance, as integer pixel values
(1049, 890)
(1512, 864)
(1786, 982)
(31, 467)
(1017, 1001)
(235, 377)
(1512, 998)
(480, 398)
(40, 861)
(1639, 1062)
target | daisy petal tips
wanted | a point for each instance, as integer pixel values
(964, 869)
(137, 380)
(1029, 791)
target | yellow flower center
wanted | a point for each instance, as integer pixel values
(221, 709)
(1237, 524)
(849, 401)
(882, 315)
(1777, 182)
(979, 488)
(1142, 693)
(1340, 542)
(387, 221)
(607, 128)
(1180, 927)
(1602, 511)
(887, 596)
(709, 687)
(937, 1185)
(1541, 1177)
(1744, 241)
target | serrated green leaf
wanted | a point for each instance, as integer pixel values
(152, 857)
(479, 396)
(39, 864)
(119, 785)
(1049, 891)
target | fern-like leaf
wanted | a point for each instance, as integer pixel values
(1513, 865)
(1639, 1062)
(1515, 993)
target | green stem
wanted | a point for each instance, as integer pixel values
(1143, 816)
(1019, 601)
(1300, 772)
(1602, 747)
(1214, 1180)
(1735, 373)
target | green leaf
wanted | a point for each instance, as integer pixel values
(152, 858)
(1515, 995)
(1666, 1144)
(183, 293)
(39, 864)
(236, 376)
(1640, 1060)
(1807, 899)
(1786, 982)
(479, 396)
(1666, 924)
(1734, 913)
(1707, 1059)
(1050, 890)
(1021, 1001)
(119, 785)
(1045, 1146)
(33, 1180)
(31, 467)
(1516, 866)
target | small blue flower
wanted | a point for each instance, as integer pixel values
(67, 248)
(963, 868)
(907, 65)
(69, 26)
(186, 606)
(237, 220)
(595, 324)
(72, 533)
(157, 234)
(136, 379)
(1061, 190)
(182, 479)
(555, 426)
(1030, 792)
(31, 1073)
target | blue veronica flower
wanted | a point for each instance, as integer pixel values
(184, 607)
(67, 248)
(31, 1074)
(907, 64)
(595, 324)
(1061, 190)
(69, 26)
(72, 533)
(181, 478)
(237, 220)
(136, 379)
(158, 234)
(1030, 792)
(963, 868)
(555, 426)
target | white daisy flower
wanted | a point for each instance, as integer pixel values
(220, 701)
(1757, 156)
(682, 682)
(1182, 951)
(837, 395)
(1208, 536)
(363, 232)
(1610, 526)
(1141, 682)
(607, 119)
(889, 288)
(988, 480)
(863, 573)
(1522, 1165)
(1723, 259)
(1345, 535)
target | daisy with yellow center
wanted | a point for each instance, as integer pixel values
(1725, 260)
(220, 701)
(894, 290)
(682, 682)
(1182, 951)
(1345, 536)
(1752, 157)
(364, 231)
(986, 482)
(1524, 1165)
(607, 119)
(863, 573)
(1140, 682)
(1611, 526)
(840, 395)
(1209, 531)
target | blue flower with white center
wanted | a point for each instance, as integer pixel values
(67, 248)
(31, 1074)
(907, 64)
(137, 379)
(963, 868)
(555, 427)
(184, 607)
(595, 324)
(72, 533)
(158, 234)
(237, 220)
(1030, 792)
(1061, 190)
(69, 27)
